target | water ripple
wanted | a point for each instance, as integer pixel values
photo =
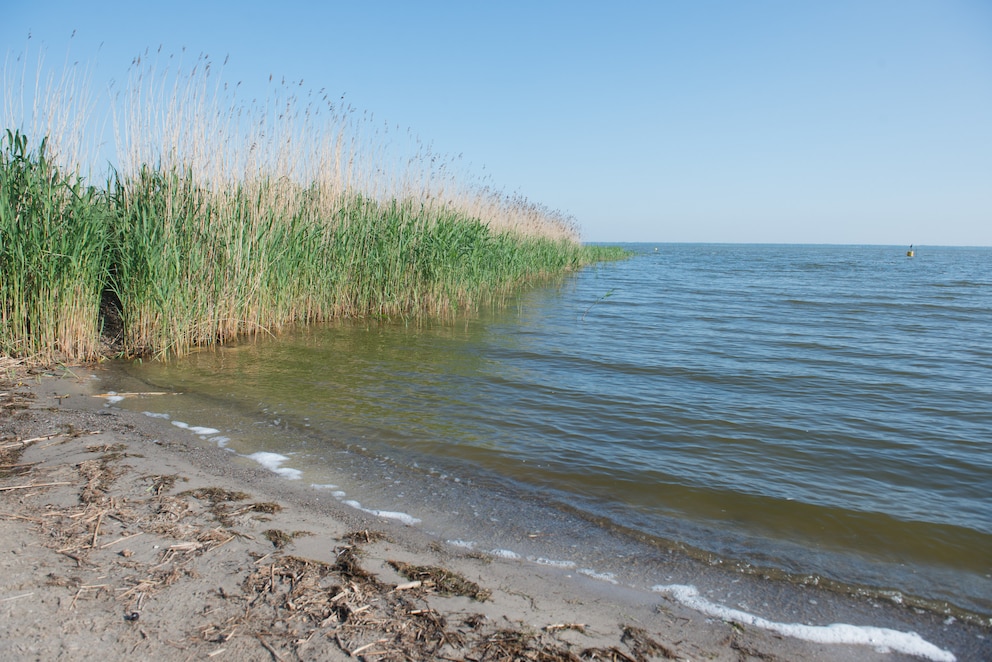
(746, 399)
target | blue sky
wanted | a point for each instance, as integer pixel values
(866, 121)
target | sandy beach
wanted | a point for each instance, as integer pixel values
(124, 537)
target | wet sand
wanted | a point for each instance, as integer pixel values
(125, 537)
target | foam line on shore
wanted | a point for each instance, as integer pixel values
(608, 577)
(554, 563)
(909, 643)
(220, 440)
(504, 554)
(196, 429)
(409, 520)
(273, 462)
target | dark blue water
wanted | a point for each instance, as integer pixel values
(822, 411)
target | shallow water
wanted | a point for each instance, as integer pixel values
(820, 411)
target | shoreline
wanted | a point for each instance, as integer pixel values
(200, 590)
(476, 507)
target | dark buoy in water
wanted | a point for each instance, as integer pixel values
(910, 252)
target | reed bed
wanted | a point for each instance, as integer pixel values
(224, 219)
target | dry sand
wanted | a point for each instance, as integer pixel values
(124, 538)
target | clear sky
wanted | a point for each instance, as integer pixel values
(841, 121)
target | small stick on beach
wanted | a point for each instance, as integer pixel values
(28, 487)
(114, 542)
(269, 648)
(16, 597)
(96, 530)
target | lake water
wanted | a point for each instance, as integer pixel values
(819, 413)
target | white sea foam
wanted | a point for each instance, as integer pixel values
(221, 441)
(273, 462)
(112, 397)
(153, 414)
(464, 544)
(318, 486)
(601, 576)
(909, 643)
(505, 554)
(554, 563)
(409, 520)
(195, 429)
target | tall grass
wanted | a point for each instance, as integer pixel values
(225, 219)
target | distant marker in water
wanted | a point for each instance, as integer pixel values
(910, 252)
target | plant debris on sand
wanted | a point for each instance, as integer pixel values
(443, 581)
(192, 573)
